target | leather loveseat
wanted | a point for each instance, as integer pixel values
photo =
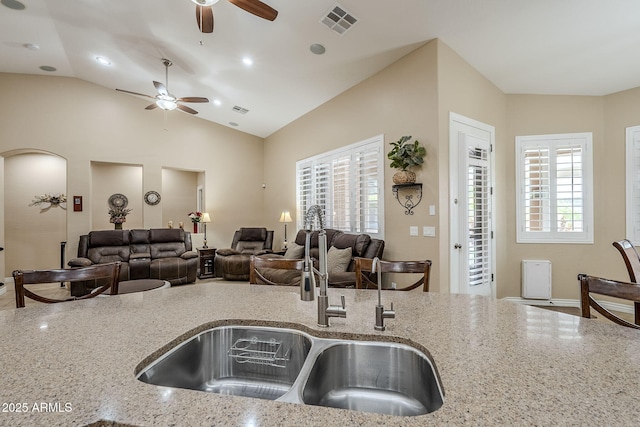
(160, 253)
(341, 266)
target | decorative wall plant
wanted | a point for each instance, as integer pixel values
(405, 155)
(45, 201)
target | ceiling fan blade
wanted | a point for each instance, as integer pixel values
(193, 99)
(136, 93)
(160, 88)
(187, 109)
(205, 22)
(151, 106)
(256, 7)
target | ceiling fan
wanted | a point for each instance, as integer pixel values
(204, 11)
(166, 100)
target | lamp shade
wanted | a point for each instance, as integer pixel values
(205, 217)
(285, 217)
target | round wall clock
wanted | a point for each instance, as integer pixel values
(152, 198)
(118, 201)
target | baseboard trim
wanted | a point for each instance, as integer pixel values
(557, 302)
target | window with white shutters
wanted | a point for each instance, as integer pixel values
(554, 188)
(347, 183)
(633, 184)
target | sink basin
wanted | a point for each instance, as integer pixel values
(386, 378)
(291, 366)
(242, 361)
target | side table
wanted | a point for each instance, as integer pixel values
(206, 256)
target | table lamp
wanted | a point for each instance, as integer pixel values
(285, 217)
(205, 219)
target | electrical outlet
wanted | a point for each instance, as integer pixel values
(429, 231)
(413, 230)
(393, 285)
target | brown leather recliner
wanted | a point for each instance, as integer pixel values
(159, 253)
(234, 263)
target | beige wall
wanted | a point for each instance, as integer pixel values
(180, 195)
(33, 235)
(462, 90)
(85, 123)
(534, 115)
(108, 179)
(399, 100)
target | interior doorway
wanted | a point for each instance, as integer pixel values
(34, 217)
(471, 183)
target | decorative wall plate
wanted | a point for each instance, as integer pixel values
(118, 201)
(152, 198)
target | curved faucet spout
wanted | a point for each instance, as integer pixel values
(374, 264)
(314, 211)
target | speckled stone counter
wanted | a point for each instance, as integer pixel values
(500, 363)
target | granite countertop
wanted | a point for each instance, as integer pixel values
(500, 363)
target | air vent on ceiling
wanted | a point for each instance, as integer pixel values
(240, 110)
(338, 19)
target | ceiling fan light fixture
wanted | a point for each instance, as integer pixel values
(205, 2)
(167, 103)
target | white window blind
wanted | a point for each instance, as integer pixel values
(347, 183)
(633, 184)
(554, 185)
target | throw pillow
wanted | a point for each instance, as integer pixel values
(294, 251)
(338, 259)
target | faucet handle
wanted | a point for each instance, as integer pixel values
(342, 300)
(391, 306)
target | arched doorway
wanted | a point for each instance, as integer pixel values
(34, 223)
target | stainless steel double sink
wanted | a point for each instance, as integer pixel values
(292, 366)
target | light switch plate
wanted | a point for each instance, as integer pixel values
(429, 231)
(413, 230)
(432, 210)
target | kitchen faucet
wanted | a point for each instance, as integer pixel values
(307, 282)
(381, 313)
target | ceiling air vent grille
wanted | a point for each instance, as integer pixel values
(338, 19)
(240, 110)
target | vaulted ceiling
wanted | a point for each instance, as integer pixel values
(579, 47)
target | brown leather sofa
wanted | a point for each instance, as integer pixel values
(234, 263)
(160, 253)
(362, 245)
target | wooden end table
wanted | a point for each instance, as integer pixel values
(206, 256)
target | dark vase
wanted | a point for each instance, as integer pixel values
(118, 225)
(195, 228)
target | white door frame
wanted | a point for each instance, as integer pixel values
(455, 121)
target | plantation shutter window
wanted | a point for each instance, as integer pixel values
(554, 185)
(347, 184)
(633, 185)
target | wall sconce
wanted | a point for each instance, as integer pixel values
(205, 219)
(285, 217)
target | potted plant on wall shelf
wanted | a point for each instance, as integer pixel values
(405, 155)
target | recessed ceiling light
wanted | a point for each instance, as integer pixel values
(31, 46)
(217, 102)
(48, 68)
(233, 123)
(13, 4)
(247, 61)
(103, 61)
(317, 48)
